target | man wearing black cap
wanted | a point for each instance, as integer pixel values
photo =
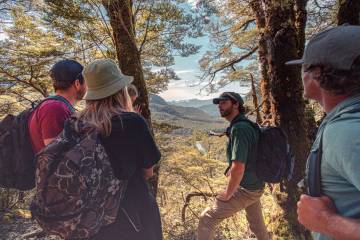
(331, 76)
(47, 121)
(244, 188)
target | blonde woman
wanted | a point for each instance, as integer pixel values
(130, 146)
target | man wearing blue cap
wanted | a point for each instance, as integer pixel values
(244, 188)
(47, 121)
(331, 76)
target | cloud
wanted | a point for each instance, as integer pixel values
(192, 2)
(180, 90)
(179, 72)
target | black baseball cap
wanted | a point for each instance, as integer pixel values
(229, 96)
(66, 70)
(337, 47)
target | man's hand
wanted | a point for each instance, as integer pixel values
(137, 109)
(148, 173)
(235, 175)
(314, 212)
(223, 196)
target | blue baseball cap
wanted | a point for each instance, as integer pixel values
(66, 70)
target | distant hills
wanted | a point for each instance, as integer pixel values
(189, 114)
(191, 102)
(205, 105)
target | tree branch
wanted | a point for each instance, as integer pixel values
(232, 62)
(188, 199)
(147, 28)
(17, 79)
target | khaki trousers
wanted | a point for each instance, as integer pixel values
(242, 199)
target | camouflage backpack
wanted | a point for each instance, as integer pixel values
(76, 192)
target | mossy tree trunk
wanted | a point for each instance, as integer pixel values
(349, 12)
(283, 39)
(121, 17)
(267, 107)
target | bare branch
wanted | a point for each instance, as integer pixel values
(109, 32)
(17, 79)
(232, 62)
(147, 28)
(188, 199)
(212, 74)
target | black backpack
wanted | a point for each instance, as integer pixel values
(17, 158)
(274, 158)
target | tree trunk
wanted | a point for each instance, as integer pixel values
(285, 41)
(121, 17)
(349, 12)
(255, 100)
(267, 107)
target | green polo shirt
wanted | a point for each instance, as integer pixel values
(242, 147)
(340, 163)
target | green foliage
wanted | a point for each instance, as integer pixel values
(234, 36)
(39, 33)
(162, 29)
(26, 56)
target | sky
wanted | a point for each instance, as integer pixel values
(189, 71)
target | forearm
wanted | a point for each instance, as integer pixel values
(235, 178)
(340, 227)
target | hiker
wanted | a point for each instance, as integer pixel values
(133, 92)
(244, 188)
(47, 121)
(131, 148)
(331, 76)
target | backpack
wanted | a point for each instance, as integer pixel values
(17, 158)
(274, 158)
(77, 192)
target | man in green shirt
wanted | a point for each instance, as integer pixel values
(244, 188)
(331, 76)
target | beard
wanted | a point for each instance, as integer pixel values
(225, 113)
(80, 94)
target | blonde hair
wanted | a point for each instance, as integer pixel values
(98, 113)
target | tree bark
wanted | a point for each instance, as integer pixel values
(268, 107)
(349, 12)
(255, 100)
(121, 20)
(121, 17)
(285, 40)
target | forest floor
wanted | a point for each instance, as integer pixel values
(18, 225)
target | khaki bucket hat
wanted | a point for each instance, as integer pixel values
(104, 78)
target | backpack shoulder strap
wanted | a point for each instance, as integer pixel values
(64, 100)
(54, 97)
(314, 181)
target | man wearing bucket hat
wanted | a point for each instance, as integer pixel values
(331, 76)
(244, 187)
(131, 148)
